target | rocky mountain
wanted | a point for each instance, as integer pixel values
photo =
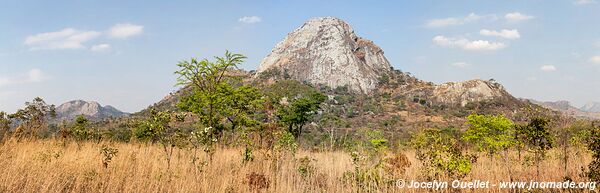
(593, 107)
(327, 51)
(91, 110)
(362, 86)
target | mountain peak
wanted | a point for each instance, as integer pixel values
(90, 109)
(326, 51)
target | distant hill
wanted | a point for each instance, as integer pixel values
(566, 108)
(92, 110)
(593, 107)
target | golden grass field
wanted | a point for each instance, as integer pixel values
(53, 166)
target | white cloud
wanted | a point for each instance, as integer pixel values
(584, 2)
(517, 17)
(461, 64)
(443, 22)
(100, 48)
(68, 38)
(466, 44)
(32, 76)
(250, 19)
(548, 68)
(505, 33)
(595, 59)
(125, 30)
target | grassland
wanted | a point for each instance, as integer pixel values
(56, 166)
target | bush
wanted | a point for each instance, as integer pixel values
(441, 155)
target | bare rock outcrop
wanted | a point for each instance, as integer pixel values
(468, 91)
(327, 51)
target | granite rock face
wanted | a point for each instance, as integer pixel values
(92, 110)
(468, 91)
(327, 51)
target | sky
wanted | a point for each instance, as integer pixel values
(124, 53)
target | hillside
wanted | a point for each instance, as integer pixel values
(566, 108)
(364, 91)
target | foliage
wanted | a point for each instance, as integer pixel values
(299, 112)
(241, 104)
(440, 153)
(33, 117)
(211, 98)
(108, 153)
(158, 128)
(489, 133)
(536, 137)
(206, 138)
(593, 172)
(373, 166)
(4, 125)
(286, 142)
(80, 130)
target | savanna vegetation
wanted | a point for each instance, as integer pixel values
(228, 133)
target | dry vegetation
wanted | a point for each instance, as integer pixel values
(56, 166)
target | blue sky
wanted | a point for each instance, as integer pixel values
(123, 53)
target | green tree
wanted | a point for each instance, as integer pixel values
(242, 103)
(80, 130)
(159, 128)
(489, 133)
(211, 97)
(299, 111)
(593, 172)
(537, 138)
(215, 97)
(4, 125)
(33, 117)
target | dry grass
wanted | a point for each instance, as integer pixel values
(52, 166)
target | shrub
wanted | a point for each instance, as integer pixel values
(441, 155)
(593, 172)
(489, 133)
(108, 153)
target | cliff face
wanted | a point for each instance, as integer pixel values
(327, 51)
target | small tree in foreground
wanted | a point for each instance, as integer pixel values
(33, 118)
(159, 129)
(593, 172)
(80, 130)
(489, 133)
(209, 100)
(537, 138)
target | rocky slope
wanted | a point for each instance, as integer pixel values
(468, 91)
(91, 109)
(327, 51)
